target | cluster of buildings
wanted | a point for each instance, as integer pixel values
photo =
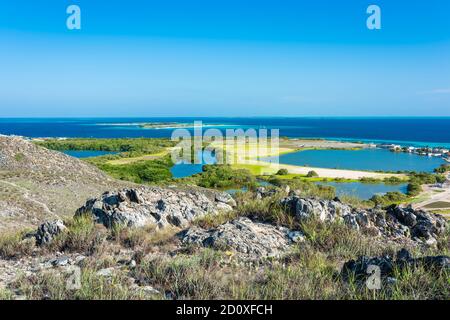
(423, 151)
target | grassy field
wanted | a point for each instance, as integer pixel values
(128, 160)
(445, 213)
(438, 205)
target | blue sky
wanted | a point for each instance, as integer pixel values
(224, 58)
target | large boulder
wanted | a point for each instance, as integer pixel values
(226, 198)
(263, 192)
(324, 210)
(421, 224)
(361, 267)
(47, 231)
(250, 239)
(395, 222)
(135, 207)
(398, 222)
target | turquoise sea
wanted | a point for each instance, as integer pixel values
(423, 131)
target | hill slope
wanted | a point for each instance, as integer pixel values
(37, 184)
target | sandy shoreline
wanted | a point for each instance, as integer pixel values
(247, 157)
(271, 168)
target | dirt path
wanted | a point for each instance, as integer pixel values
(26, 196)
(437, 195)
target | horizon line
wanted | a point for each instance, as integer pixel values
(218, 116)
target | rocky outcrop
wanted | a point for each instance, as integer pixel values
(145, 205)
(47, 231)
(252, 240)
(399, 223)
(225, 198)
(395, 222)
(324, 210)
(360, 268)
(422, 225)
(265, 192)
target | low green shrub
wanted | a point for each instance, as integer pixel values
(282, 172)
(312, 174)
(223, 176)
(414, 189)
(82, 235)
(394, 197)
(53, 286)
(13, 245)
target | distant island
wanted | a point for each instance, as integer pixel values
(160, 125)
(164, 125)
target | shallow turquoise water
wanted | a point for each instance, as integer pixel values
(87, 153)
(364, 191)
(367, 159)
(185, 170)
(181, 170)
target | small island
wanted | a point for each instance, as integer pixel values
(164, 125)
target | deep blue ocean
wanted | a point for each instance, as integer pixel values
(412, 131)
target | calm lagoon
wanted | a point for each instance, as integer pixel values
(87, 153)
(366, 159)
(181, 170)
(364, 191)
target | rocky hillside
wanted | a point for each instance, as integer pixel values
(141, 242)
(170, 243)
(37, 184)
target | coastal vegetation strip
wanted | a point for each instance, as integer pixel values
(144, 157)
(154, 153)
(128, 146)
(147, 160)
(139, 160)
